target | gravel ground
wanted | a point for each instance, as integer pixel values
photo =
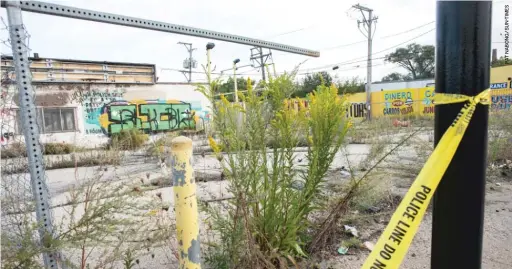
(497, 248)
(498, 217)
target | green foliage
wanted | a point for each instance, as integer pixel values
(352, 242)
(58, 148)
(310, 83)
(500, 137)
(128, 260)
(229, 87)
(14, 150)
(502, 61)
(348, 86)
(128, 140)
(19, 246)
(395, 76)
(19, 150)
(418, 60)
(160, 147)
(101, 219)
(267, 222)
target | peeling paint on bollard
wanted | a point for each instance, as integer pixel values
(185, 203)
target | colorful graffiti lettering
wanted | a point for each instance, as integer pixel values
(146, 115)
(501, 102)
(93, 102)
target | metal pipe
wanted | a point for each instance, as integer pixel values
(462, 67)
(185, 203)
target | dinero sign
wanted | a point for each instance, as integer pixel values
(398, 103)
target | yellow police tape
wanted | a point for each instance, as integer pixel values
(397, 237)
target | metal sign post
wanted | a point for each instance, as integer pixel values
(91, 15)
(463, 54)
(31, 130)
(26, 92)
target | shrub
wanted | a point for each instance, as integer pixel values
(500, 136)
(58, 148)
(160, 146)
(267, 221)
(101, 222)
(128, 140)
(15, 150)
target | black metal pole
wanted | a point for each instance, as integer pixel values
(463, 53)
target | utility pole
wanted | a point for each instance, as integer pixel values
(463, 65)
(188, 63)
(367, 26)
(261, 58)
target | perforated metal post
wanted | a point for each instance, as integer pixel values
(97, 16)
(30, 130)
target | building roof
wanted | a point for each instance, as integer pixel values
(9, 57)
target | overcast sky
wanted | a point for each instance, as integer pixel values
(323, 25)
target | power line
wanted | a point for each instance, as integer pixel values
(359, 42)
(289, 32)
(384, 37)
(407, 31)
(348, 62)
(386, 49)
(348, 69)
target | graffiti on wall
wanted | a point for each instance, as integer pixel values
(146, 115)
(93, 103)
(501, 101)
(5, 138)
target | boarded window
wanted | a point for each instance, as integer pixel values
(51, 120)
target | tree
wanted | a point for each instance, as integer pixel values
(350, 86)
(395, 76)
(229, 87)
(502, 61)
(417, 59)
(311, 81)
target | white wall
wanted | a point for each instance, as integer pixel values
(377, 87)
(78, 96)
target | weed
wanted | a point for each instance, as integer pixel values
(266, 223)
(102, 219)
(352, 242)
(128, 140)
(160, 147)
(17, 149)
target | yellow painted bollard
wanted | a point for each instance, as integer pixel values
(185, 203)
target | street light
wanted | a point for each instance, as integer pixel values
(209, 47)
(335, 67)
(235, 61)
